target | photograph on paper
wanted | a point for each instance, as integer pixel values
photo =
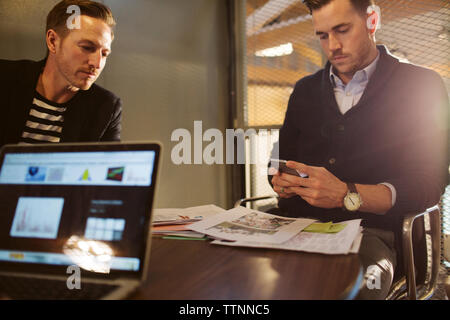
(345, 241)
(250, 225)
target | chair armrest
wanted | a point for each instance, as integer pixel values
(408, 251)
(252, 199)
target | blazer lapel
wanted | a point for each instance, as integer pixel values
(23, 99)
(74, 118)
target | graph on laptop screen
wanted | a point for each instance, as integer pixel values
(47, 199)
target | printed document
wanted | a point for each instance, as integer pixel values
(165, 216)
(242, 224)
(344, 242)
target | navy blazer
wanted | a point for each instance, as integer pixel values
(91, 115)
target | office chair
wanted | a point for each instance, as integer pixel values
(419, 280)
(415, 282)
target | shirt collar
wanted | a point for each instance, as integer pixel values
(359, 77)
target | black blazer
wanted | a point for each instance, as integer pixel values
(92, 115)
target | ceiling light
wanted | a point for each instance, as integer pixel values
(278, 51)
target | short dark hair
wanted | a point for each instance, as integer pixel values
(359, 5)
(57, 17)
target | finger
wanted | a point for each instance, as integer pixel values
(282, 191)
(287, 195)
(275, 180)
(278, 191)
(300, 167)
(287, 183)
(296, 181)
(279, 181)
(303, 192)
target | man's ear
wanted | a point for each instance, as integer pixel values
(52, 39)
(373, 18)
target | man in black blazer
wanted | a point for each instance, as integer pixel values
(56, 100)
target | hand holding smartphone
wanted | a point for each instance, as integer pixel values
(281, 166)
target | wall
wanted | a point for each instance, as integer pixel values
(169, 66)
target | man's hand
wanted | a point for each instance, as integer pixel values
(321, 189)
(280, 184)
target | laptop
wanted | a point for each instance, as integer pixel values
(75, 219)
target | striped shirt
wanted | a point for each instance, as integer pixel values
(44, 123)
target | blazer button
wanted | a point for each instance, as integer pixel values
(341, 128)
(332, 161)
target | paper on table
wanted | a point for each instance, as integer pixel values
(327, 227)
(326, 243)
(184, 215)
(185, 234)
(357, 242)
(176, 229)
(203, 211)
(166, 214)
(250, 225)
(169, 228)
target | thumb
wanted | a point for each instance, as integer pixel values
(273, 172)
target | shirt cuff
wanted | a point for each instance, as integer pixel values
(393, 192)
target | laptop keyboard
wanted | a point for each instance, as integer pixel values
(42, 289)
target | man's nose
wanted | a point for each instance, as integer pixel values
(333, 43)
(95, 59)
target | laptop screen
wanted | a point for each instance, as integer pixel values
(86, 205)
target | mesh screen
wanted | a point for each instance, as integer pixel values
(282, 48)
(445, 245)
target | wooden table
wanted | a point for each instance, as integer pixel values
(191, 270)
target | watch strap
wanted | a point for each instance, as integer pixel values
(351, 187)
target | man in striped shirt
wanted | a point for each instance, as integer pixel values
(56, 100)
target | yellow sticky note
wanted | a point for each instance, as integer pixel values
(326, 227)
(336, 227)
(318, 227)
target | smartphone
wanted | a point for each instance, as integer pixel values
(280, 165)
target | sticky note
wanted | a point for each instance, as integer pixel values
(326, 227)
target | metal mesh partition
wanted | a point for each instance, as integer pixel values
(445, 245)
(282, 48)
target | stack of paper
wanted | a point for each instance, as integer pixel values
(250, 228)
(174, 221)
(242, 224)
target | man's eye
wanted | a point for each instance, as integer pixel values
(90, 49)
(343, 30)
(323, 36)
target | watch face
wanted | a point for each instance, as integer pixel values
(352, 201)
